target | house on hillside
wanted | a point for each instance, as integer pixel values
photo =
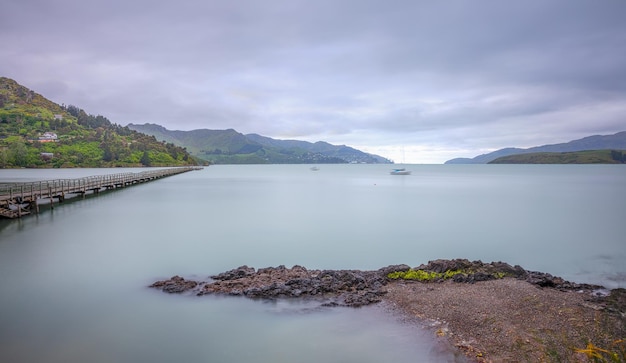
(48, 137)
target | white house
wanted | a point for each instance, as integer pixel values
(48, 137)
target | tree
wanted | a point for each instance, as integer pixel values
(145, 159)
(3, 157)
(107, 153)
(18, 153)
(618, 156)
(73, 110)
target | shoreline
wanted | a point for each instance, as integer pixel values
(512, 320)
(491, 312)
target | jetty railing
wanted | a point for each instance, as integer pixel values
(20, 199)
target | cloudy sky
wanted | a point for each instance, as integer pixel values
(430, 80)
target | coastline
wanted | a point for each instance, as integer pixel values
(491, 312)
(509, 319)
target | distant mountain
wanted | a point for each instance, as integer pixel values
(231, 147)
(597, 142)
(344, 152)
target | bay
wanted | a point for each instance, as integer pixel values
(74, 279)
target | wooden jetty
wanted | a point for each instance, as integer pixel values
(21, 199)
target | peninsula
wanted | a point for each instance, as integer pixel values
(492, 312)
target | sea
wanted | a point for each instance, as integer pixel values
(74, 279)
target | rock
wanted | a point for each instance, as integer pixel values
(239, 272)
(503, 267)
(384, 271)
(543, 279)
(467, 271)
(616, 301)
(441, 266)
(481, 276)
(176, 284)
(339, 287)
(357, 300)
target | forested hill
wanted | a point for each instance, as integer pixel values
(573, 157)
(36, 132)
(231, 147)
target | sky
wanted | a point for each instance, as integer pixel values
(416, 81)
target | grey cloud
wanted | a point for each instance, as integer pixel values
(478, 74)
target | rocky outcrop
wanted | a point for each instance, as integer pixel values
(543, 279)
(351, 287)
(474, 271)
(176, 284)
(331, 287)
(484, 271)
(335, 287)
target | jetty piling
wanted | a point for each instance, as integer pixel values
(21, 199)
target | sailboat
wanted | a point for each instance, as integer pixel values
(400, 171)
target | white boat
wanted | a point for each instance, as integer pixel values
(314, 168)
(402, 171)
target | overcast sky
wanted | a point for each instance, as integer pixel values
(432, 80)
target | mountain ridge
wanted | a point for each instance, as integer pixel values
(615, 141)
(232, 147)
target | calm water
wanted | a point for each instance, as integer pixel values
(73, 280)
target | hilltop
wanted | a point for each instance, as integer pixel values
(36, 132)
(597, 142)
(231, 147)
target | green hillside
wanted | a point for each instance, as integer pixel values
(231, 147)
(576, 157)
(38, 133)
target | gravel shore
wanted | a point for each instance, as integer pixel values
(511, 320)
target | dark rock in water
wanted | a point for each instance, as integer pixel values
(239, 272)
(356, 300)
(176, 284)
(333, 287)
(355, 287)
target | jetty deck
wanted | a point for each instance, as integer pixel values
(21, 199)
